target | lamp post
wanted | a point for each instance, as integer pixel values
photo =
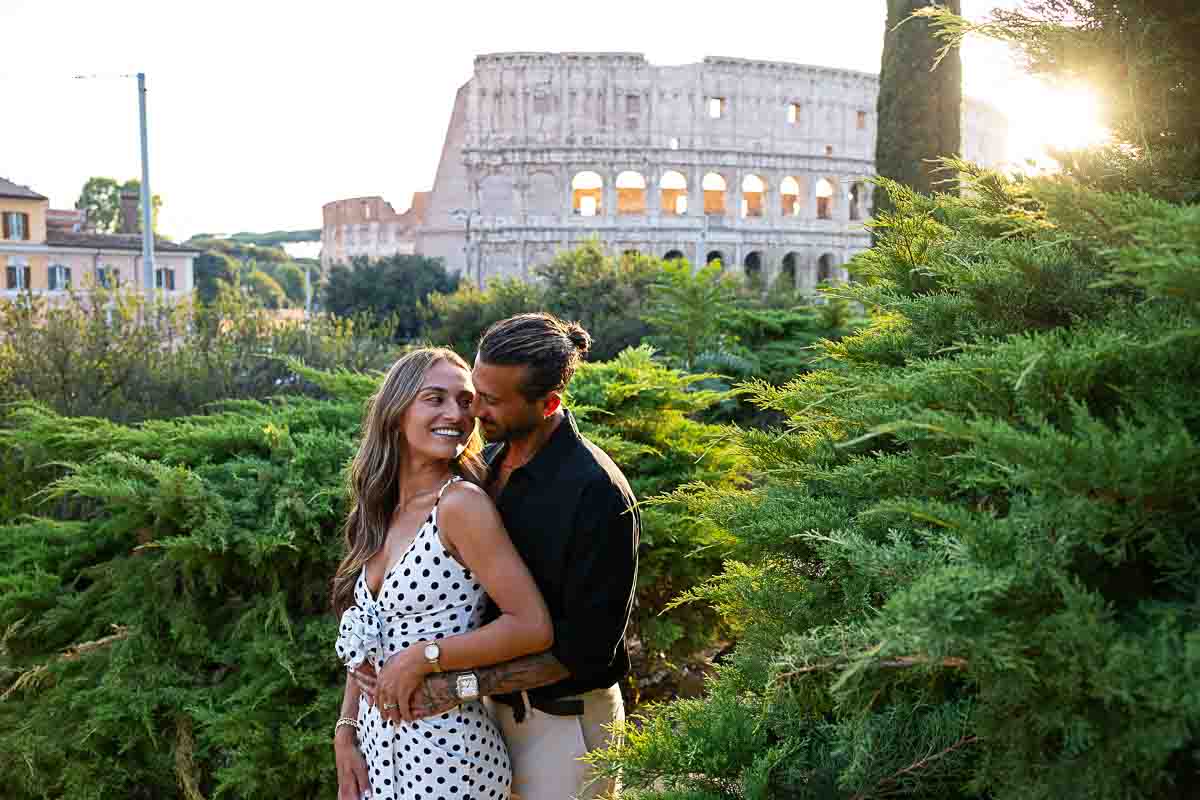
(465, 216)
(147, 209)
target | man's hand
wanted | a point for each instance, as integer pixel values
(365, 678)
(436, 695)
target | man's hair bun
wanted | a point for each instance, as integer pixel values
(580, 338)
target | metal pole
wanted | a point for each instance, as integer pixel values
(147, 209)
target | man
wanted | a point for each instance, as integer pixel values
(573, 518)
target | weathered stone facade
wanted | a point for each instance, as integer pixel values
(760, 164)
(368, 226)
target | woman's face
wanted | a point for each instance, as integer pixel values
(439, 421)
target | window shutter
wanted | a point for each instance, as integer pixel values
(5, 218)
(28, 282)
(171, 279)
(25, 227)
(68, 277)
(10, 278)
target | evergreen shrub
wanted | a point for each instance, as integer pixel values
(969, 564)
(164, 601)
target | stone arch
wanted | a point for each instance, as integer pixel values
(858, 193)
(752, 268)
(715, 255)
(824, 192)
(674, 255)
(826, 268)
(789, 197)
(789, 270)
(587, 194)
(713, 185)
(543, 197)
(631, 193)
(673, 194)
(496, 196)
(754, 192)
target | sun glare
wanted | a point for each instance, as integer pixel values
(1044, 118)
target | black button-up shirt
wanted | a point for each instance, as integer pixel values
(573, 518)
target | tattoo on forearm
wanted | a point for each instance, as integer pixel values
(528, 672)
(437, 694)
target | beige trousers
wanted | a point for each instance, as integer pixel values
(545, 749)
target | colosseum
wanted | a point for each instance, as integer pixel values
(759, 164)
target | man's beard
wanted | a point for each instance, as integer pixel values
(512, 432)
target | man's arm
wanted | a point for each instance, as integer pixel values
(438, 694)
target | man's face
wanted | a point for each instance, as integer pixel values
(503, 412)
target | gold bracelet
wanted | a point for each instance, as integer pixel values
(348, 721)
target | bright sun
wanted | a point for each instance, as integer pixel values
(1041, 116)
(1044, 117)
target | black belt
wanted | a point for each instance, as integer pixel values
(555, 708)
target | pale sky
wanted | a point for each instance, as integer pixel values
(261, 111)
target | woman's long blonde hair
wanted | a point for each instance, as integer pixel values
(374, 475)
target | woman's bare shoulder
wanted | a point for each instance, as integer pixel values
(464, 500)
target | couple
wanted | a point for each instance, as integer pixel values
(484, 593)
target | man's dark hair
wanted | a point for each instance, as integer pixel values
(550, 347)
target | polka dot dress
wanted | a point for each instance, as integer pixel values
(425, 596)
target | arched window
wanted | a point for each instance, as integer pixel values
(787, 274)
(857, 192)
(789, 196)
(825, 268)
(673, 197)
(715, 256)
(753, 192)
(587, 192)
(752, 266)
(673, 255)
(631, 193)
(824, 199)
(714, 194)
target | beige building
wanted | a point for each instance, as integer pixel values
(370, 227)
(759, 164)
(47, 251)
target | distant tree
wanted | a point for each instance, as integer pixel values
(290, 277)
(101, 199)
(397, 285)
(688, 311)
(919, 107)
(266, 289)
(459, 318)
(605, 294)
(209, 270)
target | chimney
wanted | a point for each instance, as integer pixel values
(130, 222)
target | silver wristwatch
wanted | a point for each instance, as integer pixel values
(466, 686)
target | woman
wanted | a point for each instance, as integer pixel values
(423, 545)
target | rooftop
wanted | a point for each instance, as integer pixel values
(112, 241)
(10, 189)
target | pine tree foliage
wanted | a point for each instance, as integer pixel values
(969, 565)
(164, 614)
(1139, 55)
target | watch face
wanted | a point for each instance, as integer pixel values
(432, 652)
(468, 686)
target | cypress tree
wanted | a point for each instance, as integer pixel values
(920, 108)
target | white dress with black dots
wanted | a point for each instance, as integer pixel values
(426, 595)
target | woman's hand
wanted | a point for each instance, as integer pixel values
(400, 678)
(353, 783)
